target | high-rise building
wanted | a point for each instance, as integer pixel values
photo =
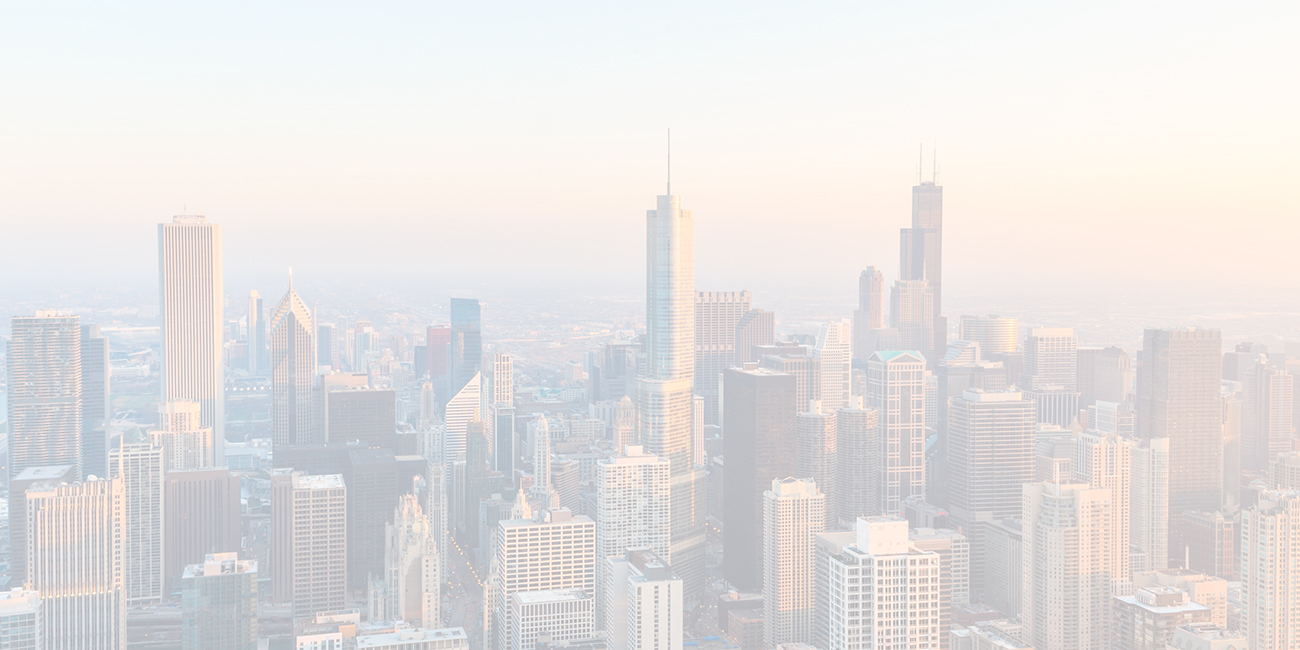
(1106, 462)
(1212, 542)
(22, 620)
(309, 531)
(1149, 514)
(364, 344)
(758, 417)
(1179, 398)
(1051, 359)
(1200, 588)
(857, 440)
(756, 327)
(372, 490)
(201, 516)
(191, 302)
(1267, 414)
(1207, 636)
(551, 615)
(96, 405)
(1112, 375)
(75, 542)
(633, 510)
(664, 393)
(219, 603)
(461, 409)
(139, 466)
(1003, 566)
(717, 313)
(1147, 619)
(465, 351)
(896, 390)
(884, 591)
(408, 588)
(1055, 405)
(817, 456)
(364, 414)
(870, 314)
(257, 342)
(185, 442)
(644, 611)
(995, 334)
(793, 515)
(911, 314)
(1270, 577)
(1068, 553)
(921, 256)
(1233, 406)
(990, 452)
(44, 401)
(834, 351)
(807, 371)
(293, 371)
(953, 550)
(556, 539)
(52, 475)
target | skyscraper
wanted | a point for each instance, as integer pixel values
(364, 414)
(911, 305)
(833, 349)
(896, 390)
(1149, 514)
(1106, 462)
(557, 539)
(664, 393)
(793, 515)
(22, 619)
(857, 452)
(372, 490)
(460, 411)
(256, 334)
(408, 588)
(921, 258)
(309, 532)
(293, 371)
(717, 313)
(870, 314)
(201, 515)
(18, 485)
(44, 401)
(884, 591)
(633, 510)
(74, 554)
(96, 405)
(1270, 578)
(191, 299)
(1179, 399)
(219, 604)
(465, 351)
(139, 466)
(817, 456)
(995, 334)
(644, 612)
(990, 447)
(756, 327)
(1267, 416)
(1051, 359)
(758, 436)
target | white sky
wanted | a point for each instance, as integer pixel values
(1102, 146)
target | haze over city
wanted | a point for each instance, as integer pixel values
(836, 326)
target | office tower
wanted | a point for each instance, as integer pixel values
(190, 312)
(794, 512)
(1266, 430)
(825, 546)
(1212, 542)
(717, 313)
(44, 401)
(833, 350)
(96, 406)
(478, 481)
(633, 510)
(624, 429)
(896, 390)
(219, 603)
(910, 313)
(921, 254)
(186, 444)
(1003, 566)
(18, 485)
(309, 538)
(293, 370)
(664, 393)
(1149, 514)
(1112, 417)
(1179, 399)
(758, 416)
(368, 415)
(857, 454)
(139, 466)
(1068, 555)
(1284, 471)
(1233, 398)
(22, 620)
(372, 490)
(1051, 359)
(1147, 619)
(364, 346)
(1055, 405)
(327, 335)
(1112, 375)
(870, 314)
(556, 539)
(990, 452)
(756, 327)
(1200, 588)
(201, 515)
(461, 409)
(645, 610)
(884, 591)
(1269, 578)
(1239, 364)
(539, 432)
(953, 550)
(257, 341)
(506, 447)
(408, 587)
(554, 614)
(465, 351)
(994, 334)
(1086, 374)
(1106, 462)
(75, 540)
(437, 346)
(807, 372)
(816, 456)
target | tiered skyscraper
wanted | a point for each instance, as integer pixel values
(921, 260)
(190, 318)
(665, 392)
(293, 371)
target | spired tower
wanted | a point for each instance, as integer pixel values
(664, 394)
(409, 587)
(293, 370)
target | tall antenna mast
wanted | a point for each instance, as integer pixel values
(670, 162)
(920, 156)
(934, 160)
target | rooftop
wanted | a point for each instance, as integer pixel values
(550, 596)
(411, 634)
(317, 481)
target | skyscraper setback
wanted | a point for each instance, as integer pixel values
(293, 371)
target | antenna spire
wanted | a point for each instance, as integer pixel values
(920, 156)
(670, 162)
(291, 278)
(934, 160)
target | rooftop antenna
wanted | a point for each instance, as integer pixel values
(934, 160)
(291, 278)
(920, 155)
(670, 162)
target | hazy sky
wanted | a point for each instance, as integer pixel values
(1107, 146)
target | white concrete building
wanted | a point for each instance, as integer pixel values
(1149, 498)
(1106, 461)
(561, 614)
(22, 622)
(632, 511)
(884, 592)
(186, 443)
(835, 349)
(794, 513)
(139, 464)
(409, 589)
(1270, 578)
(896, 390)
(556, 539)
(817, 455)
